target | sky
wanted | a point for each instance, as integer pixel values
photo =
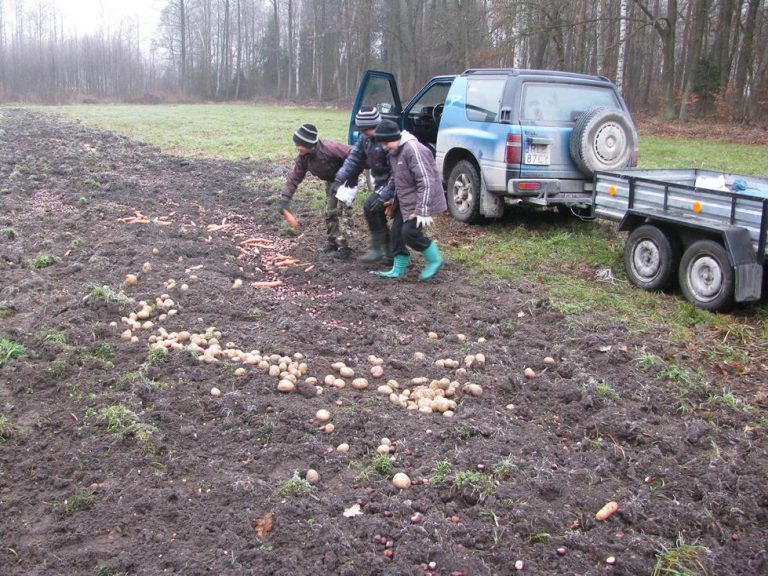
(87, 16)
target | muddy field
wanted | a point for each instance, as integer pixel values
(117, 459)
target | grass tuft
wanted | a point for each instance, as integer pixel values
(296, 487)
(681, 560)
(9, 350)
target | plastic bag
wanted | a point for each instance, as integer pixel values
(346, 194)
(711, 183)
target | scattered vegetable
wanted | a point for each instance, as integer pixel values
(606, 511)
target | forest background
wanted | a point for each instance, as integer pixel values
(671, 58)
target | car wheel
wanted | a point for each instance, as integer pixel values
(650, 257)
(602, 139)
(463, 194)
(706, 276)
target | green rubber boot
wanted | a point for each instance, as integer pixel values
(401, 262)
(434, 262)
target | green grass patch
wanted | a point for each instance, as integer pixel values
(107, 294)
(7, 429)
(296, 487)
(123, 422)
(9, 350)
(681, 560)
(43, 261)
(659, 152)
(78, 502)
(226, 131)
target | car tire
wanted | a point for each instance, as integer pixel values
(463, 192)
(706, 276)
(650, 257)
(602, 139)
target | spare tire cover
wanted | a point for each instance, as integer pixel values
(602, 139)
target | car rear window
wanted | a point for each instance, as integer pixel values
(549, 102)
(484, 98)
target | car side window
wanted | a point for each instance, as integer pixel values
(435, 96)
(484, 98)
(378, 93)
(562, 102)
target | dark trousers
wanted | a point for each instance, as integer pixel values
(406, 235)
(373, 209)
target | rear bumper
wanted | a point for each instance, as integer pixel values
(548, 189)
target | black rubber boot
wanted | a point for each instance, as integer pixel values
(377, 251)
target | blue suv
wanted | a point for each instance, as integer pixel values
(509, 136)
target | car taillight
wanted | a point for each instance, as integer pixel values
(514, 148)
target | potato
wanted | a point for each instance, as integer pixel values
(359, 383)
(377, 371)
(312, 477)
(322, 415)
(285, 386)
(529, 373)
(346, 372)
(401, 480)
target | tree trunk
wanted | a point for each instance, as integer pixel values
(699, 8)
(623, 10)
(745, 65)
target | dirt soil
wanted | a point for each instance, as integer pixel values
(118, 460)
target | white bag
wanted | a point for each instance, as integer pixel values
(346, 194)
(711, 183)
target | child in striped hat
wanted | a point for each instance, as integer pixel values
(321, 158)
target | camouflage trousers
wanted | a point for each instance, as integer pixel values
(338, 218)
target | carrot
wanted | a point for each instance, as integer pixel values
(267, 284)
(606, 511)
(291, 219)
(286, 262)
(258, 241)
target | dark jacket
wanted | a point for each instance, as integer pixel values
(324, 161)
(417, 182)
(367, 153)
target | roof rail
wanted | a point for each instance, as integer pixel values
(532, 72)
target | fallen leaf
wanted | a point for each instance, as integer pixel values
(605, 348)
(262, 526)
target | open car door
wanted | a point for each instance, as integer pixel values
(376, 89)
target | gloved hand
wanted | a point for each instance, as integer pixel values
(375, 203)
(334, 187)
(388, 209)
(424, 221)
(284, 203)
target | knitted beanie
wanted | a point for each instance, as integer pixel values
(306, 136)
(367, 117)
(387, 131)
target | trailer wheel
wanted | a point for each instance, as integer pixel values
(463, 194)
(650, 257)
(706, 276)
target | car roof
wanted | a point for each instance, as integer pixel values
(532, 73)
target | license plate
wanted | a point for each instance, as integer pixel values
(537, 154)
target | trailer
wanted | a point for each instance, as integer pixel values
(705, 229)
